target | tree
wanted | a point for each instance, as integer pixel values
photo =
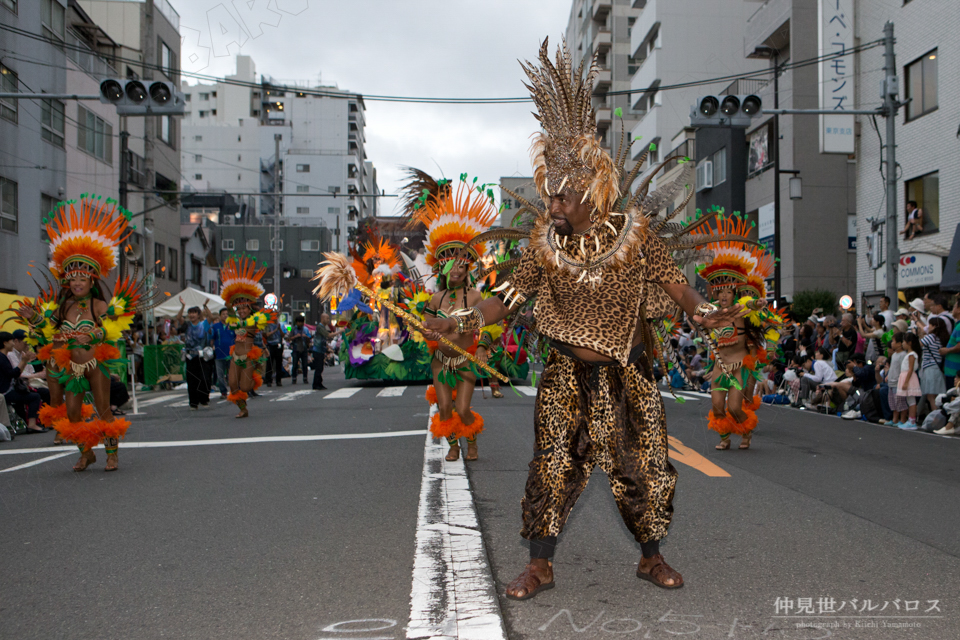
(804, 302)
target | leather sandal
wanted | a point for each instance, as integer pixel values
(745, 440)
(530, 582)
(454, 454)
(495, 391)
(660, 571)
(87, 458)
(113, 462)
(472, 453)
(724, 443)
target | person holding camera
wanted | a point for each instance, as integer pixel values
(814, 373)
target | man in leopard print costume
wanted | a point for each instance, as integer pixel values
(596, 269)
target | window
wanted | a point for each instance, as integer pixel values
(168, 59)
(9, 4)
(212, 286)
(239, 157)
(302, 188)
(253, 245)
(202, 114)
(159, 252)
(720, 166)
(187, 97)
(309, 245)
(226, 244)
(51, 119)
(47, 203)
(303, 210)
(213, 112)
(198, 157)
(303, 168)
(8, 205)
(273, 245)
(196, 271)
(10, 84)
(925, 191)
(51, 15)
(198, 176)
(333, 209)
(306, 273)
(94, 135)
(166, 128)
(921, 77)
(173, 262)
(198, 138)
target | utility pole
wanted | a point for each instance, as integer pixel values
(124, 172)
(890, 107)
(777, 290)
(276, 219)
(148, 42)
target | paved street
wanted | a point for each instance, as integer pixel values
(313, 519)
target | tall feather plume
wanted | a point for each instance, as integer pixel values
(335, 276)
(418, 183)
(656, 200)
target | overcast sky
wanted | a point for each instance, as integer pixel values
(434, 48)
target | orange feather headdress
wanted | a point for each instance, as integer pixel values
(732, 261)
(452, 217)
(756, 285)
(86, 243)
(240, 280)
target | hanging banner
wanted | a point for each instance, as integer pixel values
(837, 77)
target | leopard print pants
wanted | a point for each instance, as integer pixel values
(606, 415)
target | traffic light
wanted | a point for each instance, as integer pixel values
(725, 111)
(136, 98)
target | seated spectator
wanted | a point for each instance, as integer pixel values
(857, 375)
(949, 405)
(14, 390)
(815, 372)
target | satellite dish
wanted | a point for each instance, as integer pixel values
(134, 253)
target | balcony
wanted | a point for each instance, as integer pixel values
(603, 81)
(603, 41)
(764, 24)
(647, 130)
(646, 77)
(647, 22)
(601, 9)
(604, 117)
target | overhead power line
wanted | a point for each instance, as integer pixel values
(440, 100)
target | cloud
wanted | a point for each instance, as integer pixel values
(441, 48)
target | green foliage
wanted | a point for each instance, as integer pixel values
(804, 302)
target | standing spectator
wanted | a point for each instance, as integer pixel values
(914, 221)
(872, 330)
(14, 391)
(951, 352)
(932, 382)
(935, 303)
(807, 337)
(908, 385)
(300, 340)
(273, 336)
(321, 341)
(197, 337)
(888, 315)
(223, 339)
(898, 403)
(846, 340)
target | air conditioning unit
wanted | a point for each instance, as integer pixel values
(705, 175)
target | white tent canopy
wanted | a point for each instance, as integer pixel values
(192, 298)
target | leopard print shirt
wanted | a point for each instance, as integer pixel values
(601, 318)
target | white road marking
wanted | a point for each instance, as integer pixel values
(346, 392)
(200, 443)
(293, 395)
(685, 394)
(453, 593)
(527, 391)
(41, 460)
(151, 401)
(185, 403)
(391, 392)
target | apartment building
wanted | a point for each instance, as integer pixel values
(927, 42)
(33, 135)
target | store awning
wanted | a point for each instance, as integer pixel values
(951, 270)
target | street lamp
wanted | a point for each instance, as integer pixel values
(796, 187)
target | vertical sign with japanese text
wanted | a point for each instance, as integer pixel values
(837, 77)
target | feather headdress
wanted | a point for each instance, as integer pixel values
(733, 261)
(566, 152)
(240, 280)
(86, 243)
(453, 217)
(756, 285)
